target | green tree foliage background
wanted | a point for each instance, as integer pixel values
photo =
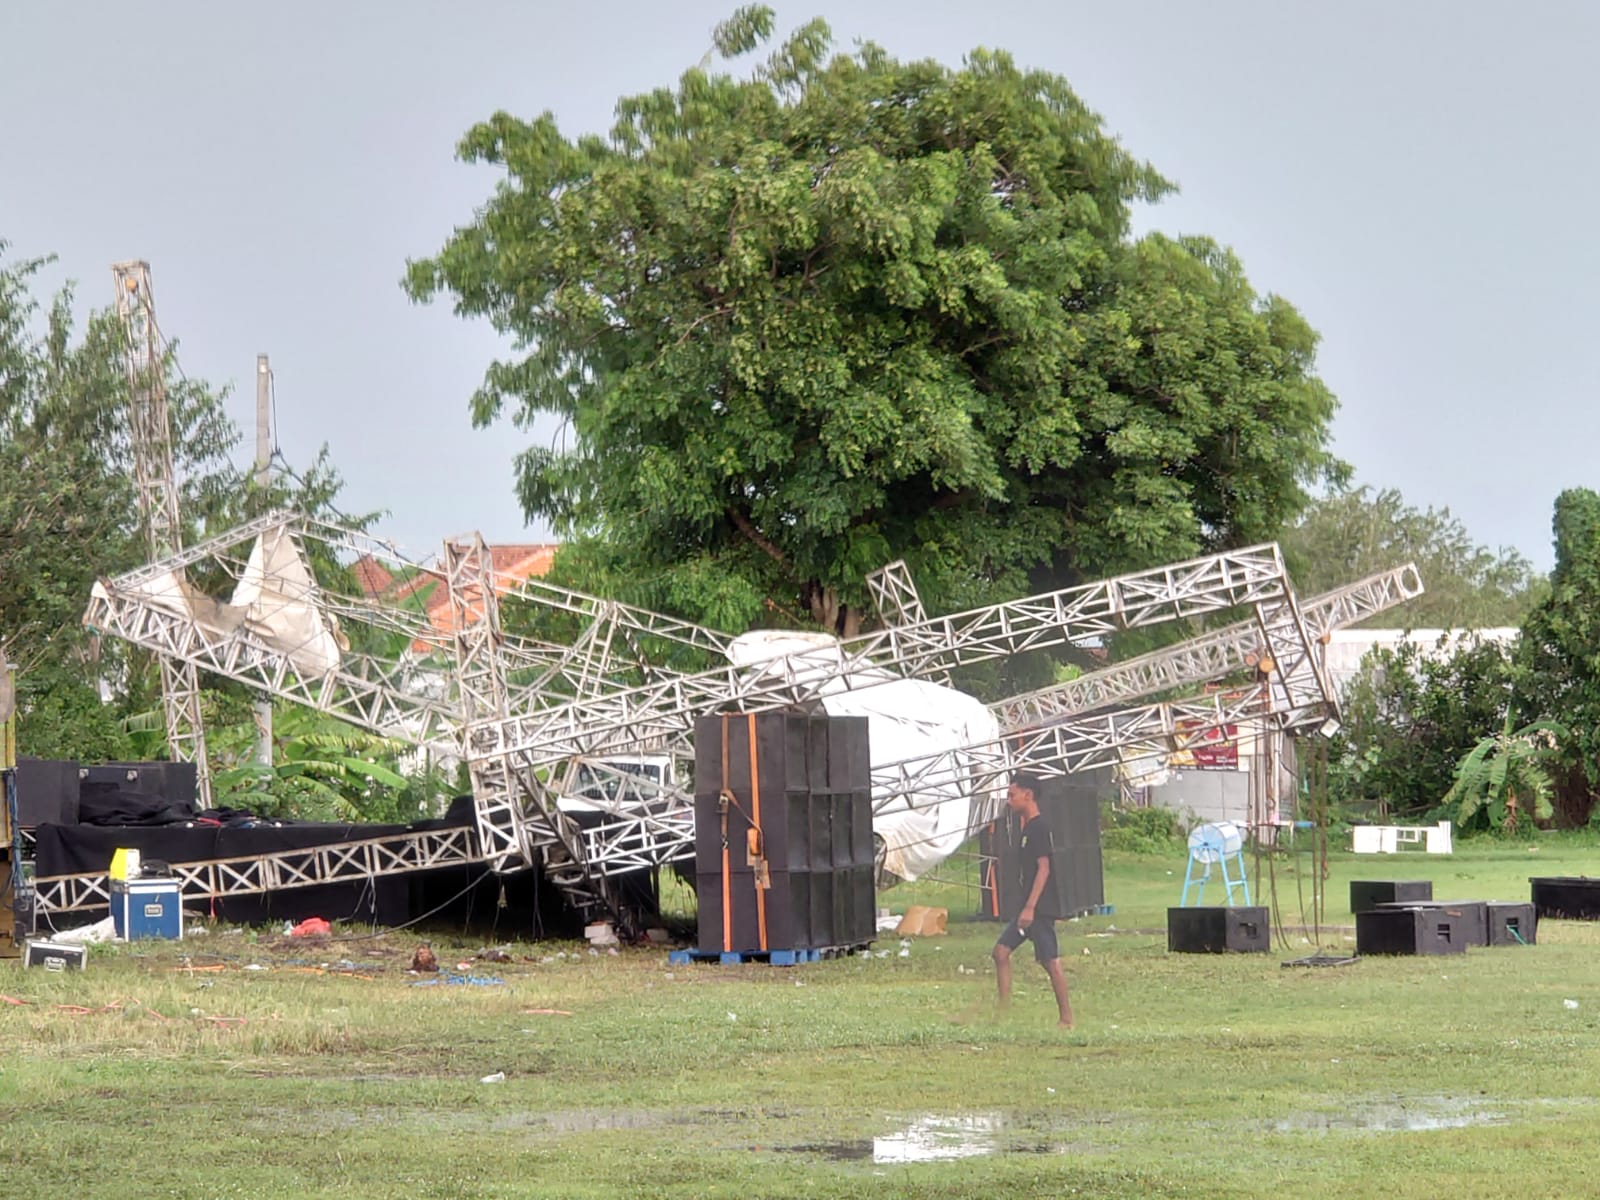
(848, 308)
(1355, 532)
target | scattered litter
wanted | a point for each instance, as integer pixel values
(494, 955)
(733, 1016)
(670, 975)
(1570, 1003)
(13, 1000)
(904, 953)
(88, 935)
(887, 921)
(600, 933)
(1051, 1090)
(546, 1012)
(963, 969)
(1324, 960)
(611, 950)
(1086, 949)
(311, 927)
(497, 1077)
(459, 981)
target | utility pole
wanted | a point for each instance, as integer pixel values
(262, 710)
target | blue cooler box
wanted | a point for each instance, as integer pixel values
(146, 908)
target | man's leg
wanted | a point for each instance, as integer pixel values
(1010, 938)
(1048, 952)
(1002, 972)
(1058, 981)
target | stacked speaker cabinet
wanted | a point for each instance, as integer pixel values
(783, 832)
(47, 792)
(1071, 803)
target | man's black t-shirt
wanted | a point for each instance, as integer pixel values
(1035, 845)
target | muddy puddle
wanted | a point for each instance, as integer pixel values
(1399, 1116)
(935, 1138)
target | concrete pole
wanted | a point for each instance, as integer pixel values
(262, 709)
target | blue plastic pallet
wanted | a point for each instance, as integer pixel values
(775, 958)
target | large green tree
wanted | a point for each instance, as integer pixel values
(1559, 654)
(1409, 718)
(849, 308)
(1354, 532)
(68, 512)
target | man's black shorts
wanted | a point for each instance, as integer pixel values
(1042, 933)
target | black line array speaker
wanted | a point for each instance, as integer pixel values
(1569, 897)
(784, 855)
(1368, 894)
(1512, 924)
(1409, 931)
(1470, 916)
(1071, 803)
(1218, 930)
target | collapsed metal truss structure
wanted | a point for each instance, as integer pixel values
(528, 714)
(1213, 655)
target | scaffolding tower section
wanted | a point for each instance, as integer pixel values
(150, 438)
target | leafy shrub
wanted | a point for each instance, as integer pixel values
(1140, 830)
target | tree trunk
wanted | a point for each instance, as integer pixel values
(1574, 802)
(839, 619)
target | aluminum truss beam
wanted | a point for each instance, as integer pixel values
(150, 437)
(661, 714)
(517, 818)
(340, 862)
(365, 690)
(899, 603)
(1210, 656)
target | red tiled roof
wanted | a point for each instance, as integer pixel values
(511, 565)
(372, 577)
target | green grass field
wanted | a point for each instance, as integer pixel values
(175, 1069)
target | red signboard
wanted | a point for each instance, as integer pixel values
(1206, 747)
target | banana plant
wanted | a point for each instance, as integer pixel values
(1506, 778)
(321, 768)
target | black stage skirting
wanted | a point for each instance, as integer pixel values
(468, 896)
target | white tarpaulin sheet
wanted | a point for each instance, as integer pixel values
(908, 719)
(274, 601)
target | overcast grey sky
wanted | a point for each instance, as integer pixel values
(1419, 178)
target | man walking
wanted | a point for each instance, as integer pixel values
(1036, 921)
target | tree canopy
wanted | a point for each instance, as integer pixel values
(848, 308)
(1558, 655)
(69, 514)
(1354, 532)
